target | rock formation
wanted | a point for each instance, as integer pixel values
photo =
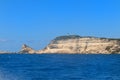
(77, 44)
(27, 49)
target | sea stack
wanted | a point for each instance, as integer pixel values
(26, 49)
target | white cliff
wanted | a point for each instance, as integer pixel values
(76, 44)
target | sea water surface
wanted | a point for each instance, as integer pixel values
(59, 67)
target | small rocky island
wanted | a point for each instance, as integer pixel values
(72, 44)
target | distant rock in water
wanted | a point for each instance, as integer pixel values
(72, 44)
(26, 49)
(5, 52)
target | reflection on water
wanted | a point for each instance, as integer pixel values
(59, 67)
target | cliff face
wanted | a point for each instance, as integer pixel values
(27, 49)
(77, 44)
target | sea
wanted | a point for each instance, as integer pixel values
(59, 67)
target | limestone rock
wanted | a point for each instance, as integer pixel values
(77, 44)
(27, 49)
(72, 44)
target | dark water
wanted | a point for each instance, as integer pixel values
(59, 67)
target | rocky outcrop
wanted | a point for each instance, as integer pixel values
(27, 49)
(77, 44)
(73, 44)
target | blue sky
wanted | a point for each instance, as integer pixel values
(37, 22)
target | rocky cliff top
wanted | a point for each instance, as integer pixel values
(66, 37)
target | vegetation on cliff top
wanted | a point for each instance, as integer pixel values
(77, 36)
(67, 37)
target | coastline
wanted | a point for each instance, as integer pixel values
(75, 44)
